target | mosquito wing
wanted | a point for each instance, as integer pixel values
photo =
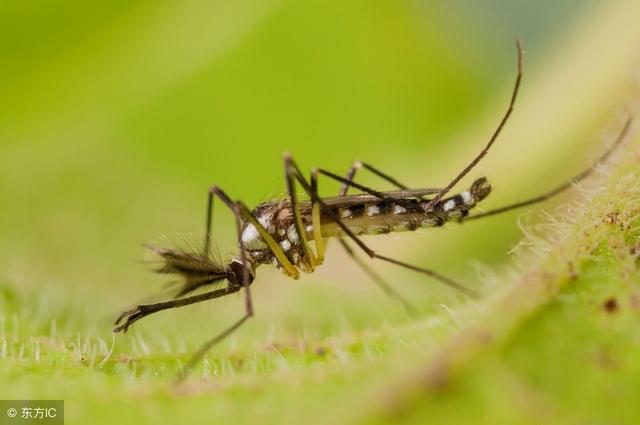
(359, 198)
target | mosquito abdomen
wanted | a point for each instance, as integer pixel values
(388, 216)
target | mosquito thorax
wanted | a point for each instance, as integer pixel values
(264, 213)
(276, 217)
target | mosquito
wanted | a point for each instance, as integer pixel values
(292, 234)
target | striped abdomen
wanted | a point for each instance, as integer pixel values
(387, 216)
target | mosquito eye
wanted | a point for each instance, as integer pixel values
(239, 269)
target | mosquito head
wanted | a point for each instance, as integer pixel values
(237, 269)
(480, 189)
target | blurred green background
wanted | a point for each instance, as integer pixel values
(115, 118)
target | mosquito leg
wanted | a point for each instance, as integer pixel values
(384, 176)
(563, 187)
(195, 359)
(494, 136)
(358, 165)
(315, 221)
(411, 309)
(140, 311)
(266, 237)
(207, 228)
(295, 208)
(241, 211)
(245, 280)
(348, 182)
(443, 279)
(351, 174)
(377, 279)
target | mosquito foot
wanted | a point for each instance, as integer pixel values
(133, 315)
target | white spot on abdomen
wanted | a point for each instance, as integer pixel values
(467, 198)
(397, 209)
(373, 210)
(428, 222)
(376, 230)
(449, 205)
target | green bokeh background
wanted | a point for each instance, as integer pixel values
(115, 118)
